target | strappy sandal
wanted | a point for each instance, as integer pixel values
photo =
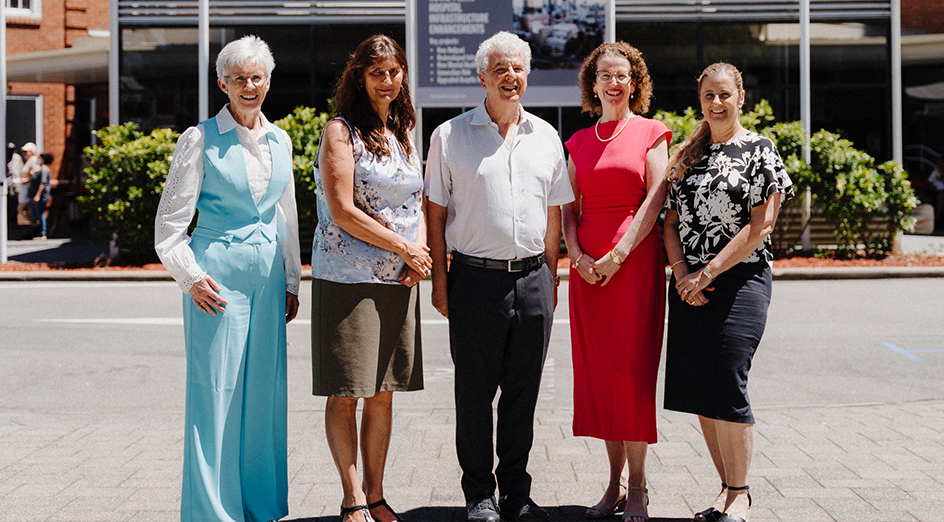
(358, 507)
(630, 514)
(603, 511)
(383, 502)
(734, 518)
(711, 514)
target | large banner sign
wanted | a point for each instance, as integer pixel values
(561, 34)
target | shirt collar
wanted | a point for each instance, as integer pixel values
(480, 116)
(226, 122)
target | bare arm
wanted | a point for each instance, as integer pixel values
(570, 217)
(437, 250)
(552, 239)
(337, 170)
(657, 159)
(410, 277)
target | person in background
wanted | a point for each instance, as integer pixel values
(727, 185)
(369, 254)
(495, 180)
(29, 164)
(617, 283)
(40, 192)
(239, 271)
(14, 163)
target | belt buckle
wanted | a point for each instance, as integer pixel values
(511, 269)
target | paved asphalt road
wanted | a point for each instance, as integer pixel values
(846, 385)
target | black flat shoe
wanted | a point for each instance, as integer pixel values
(711, 514)
(383, 502)
(483, 509)
(521, 508)
(358, 507)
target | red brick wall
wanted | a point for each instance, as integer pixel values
(61, 23)
(922, 15)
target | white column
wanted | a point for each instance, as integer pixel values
(610, 31)
(412, 51)
(203, 60)
(3, 129)
(805, 99)
(897, 114)
(114, 75)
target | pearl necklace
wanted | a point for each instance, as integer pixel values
(611, 138)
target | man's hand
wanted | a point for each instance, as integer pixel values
(291, 306)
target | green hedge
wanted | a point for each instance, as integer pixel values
(128, 168)
(123, 184)
(844, 181)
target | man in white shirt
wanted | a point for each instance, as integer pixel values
(495, 180)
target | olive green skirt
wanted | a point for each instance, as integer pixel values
(365, 338)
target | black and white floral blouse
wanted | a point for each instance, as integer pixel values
(714, 200)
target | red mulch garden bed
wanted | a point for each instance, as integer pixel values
(564, 262)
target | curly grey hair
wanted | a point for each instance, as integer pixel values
(507, 45)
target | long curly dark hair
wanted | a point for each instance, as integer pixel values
(353, 104)
(642, 83)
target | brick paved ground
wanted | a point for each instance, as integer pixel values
(114, 453)
(878, 463)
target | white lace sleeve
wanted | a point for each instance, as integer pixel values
(177, 207)
(288, 232)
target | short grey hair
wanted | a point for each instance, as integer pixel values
(507, 45)
(239, 53)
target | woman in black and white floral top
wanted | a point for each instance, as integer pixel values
(727, 187)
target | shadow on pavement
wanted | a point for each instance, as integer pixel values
(456, 514)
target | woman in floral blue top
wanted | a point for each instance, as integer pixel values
(727, 187)
(369, 254)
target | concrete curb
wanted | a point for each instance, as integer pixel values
(779, 274)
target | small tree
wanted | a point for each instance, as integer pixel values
(124, 183)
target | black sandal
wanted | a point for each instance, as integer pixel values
(383, 502)
(734, 518)
(711, 514)
(359, 507)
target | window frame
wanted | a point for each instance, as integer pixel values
(35, 10)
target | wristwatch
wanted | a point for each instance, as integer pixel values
(708, 274)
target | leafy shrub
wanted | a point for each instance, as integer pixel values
(847, 186)
(304, 126)
(125, 178)
(128, 168)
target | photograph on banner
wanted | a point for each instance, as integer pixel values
(561, 33)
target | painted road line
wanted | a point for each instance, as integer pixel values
(909, 354)
(177, 321)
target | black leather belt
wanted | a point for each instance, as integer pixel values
(505, 265)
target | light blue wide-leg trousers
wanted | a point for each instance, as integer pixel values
(235, 457)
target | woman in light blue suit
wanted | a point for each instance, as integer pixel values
(240, 268)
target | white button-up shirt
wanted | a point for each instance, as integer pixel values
(497, 196)
(182, 189)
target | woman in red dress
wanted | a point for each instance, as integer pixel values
(617, 281)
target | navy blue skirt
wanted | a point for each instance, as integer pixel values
(709, 348)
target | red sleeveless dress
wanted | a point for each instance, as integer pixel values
(616, 330)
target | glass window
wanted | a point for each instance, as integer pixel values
(849, 71)
(31, 8)
(922, 50)
(159, 69)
